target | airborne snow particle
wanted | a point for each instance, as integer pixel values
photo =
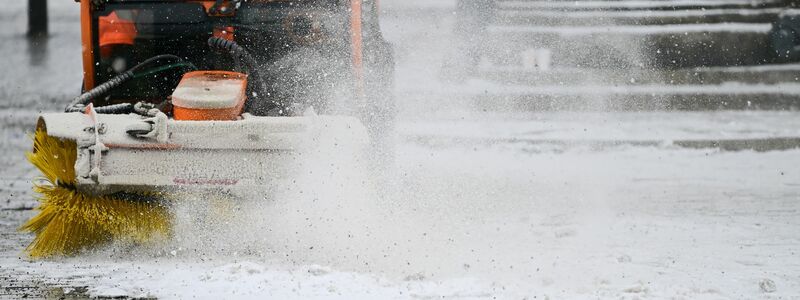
(767, 286)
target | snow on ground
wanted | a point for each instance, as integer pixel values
(482, 223)
(601, 14)
(655, 127)
(643, 29)
(625, 4)
(464, 220)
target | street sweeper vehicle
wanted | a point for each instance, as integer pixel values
(200, 97)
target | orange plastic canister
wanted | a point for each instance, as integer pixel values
(209, 96)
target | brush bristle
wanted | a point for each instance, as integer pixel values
(70, 221)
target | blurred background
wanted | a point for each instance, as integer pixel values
(521, 55)
(601, 55)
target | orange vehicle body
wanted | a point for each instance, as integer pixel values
(123, 32)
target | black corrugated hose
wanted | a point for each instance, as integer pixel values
(79, 103)
(250, 63)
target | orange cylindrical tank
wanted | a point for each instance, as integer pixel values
(209, 96)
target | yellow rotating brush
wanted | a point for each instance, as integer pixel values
(70, 221)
